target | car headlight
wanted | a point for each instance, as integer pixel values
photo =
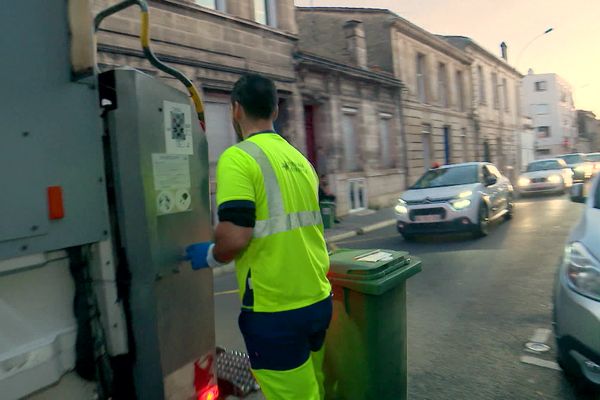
(582, 270)
(524, 181)
(460, 204)
(401, 207)
(580, 168)
(554, 179)
(465, 194)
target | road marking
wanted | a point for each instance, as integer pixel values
(227, 292)
(540, 363)
(541, 336)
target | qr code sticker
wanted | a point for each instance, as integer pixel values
(177, 125)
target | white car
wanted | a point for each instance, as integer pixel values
(455, 198)
(594, 159)
(546, 176)
(576, 314)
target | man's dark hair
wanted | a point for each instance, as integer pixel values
(256, 94)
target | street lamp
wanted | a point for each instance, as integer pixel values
(547, 31)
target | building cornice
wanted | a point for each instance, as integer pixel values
(420, 34)
(321, 63)
(470, 44)
(124, 51)
(402, 25)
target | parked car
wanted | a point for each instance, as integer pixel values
(546, 176)
(455, 198)
(577, 293)
(582, 169)
(594, 158)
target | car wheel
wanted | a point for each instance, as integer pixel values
(408, 237)
(510, 209)
(483, 222)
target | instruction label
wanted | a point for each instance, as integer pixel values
(178, 128)
(172, 183)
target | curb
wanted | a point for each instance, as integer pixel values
(341, 236)
(361, 231)
(379, 225)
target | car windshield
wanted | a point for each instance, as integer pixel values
(593, 157)
(543, 165)
(451, 176)
(572, 159)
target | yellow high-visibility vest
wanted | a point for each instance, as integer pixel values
(285, 264)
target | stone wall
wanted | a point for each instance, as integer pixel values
(332, 93)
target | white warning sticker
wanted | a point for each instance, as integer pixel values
(178, 128)
(183, 200)
(164, 202)
(171, 171)
(172, 183)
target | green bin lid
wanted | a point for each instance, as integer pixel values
(371, 271)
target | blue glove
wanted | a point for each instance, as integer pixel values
(197, 254)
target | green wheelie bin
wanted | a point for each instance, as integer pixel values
(365, 347)
(328, 213)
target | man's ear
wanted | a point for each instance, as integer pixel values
(275, 113)
(237, 111)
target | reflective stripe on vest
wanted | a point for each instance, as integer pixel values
(278, 220)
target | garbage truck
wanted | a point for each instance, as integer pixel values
(104, 181)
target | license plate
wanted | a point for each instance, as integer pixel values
(541, 186)
(428, 218)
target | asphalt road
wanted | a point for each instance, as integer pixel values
(473, 307)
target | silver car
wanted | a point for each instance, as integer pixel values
(594, 159)
(577, 293)
(546, 176)
(455, 198)
(582, 169)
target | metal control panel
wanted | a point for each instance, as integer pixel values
(161, 194)
(51, 138)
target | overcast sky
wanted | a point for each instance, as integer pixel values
(572, 50)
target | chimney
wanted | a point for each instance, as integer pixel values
(356, 43)
(504, 51)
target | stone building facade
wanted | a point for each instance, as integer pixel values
(352, 121)
(436, 102)
(214, 42)
(497, 117)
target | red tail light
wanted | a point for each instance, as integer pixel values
(210, 393)
(205, 381)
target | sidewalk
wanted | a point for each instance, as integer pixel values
(360, 223)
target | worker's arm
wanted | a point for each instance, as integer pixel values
(230, 240)
(237, 211)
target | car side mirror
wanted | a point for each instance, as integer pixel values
(578, 193)
(491, 180)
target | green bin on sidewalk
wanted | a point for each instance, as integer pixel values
(365, 350)
(328, 213)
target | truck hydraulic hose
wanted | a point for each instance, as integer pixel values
(145, 41)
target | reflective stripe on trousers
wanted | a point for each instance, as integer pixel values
(278, 220)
